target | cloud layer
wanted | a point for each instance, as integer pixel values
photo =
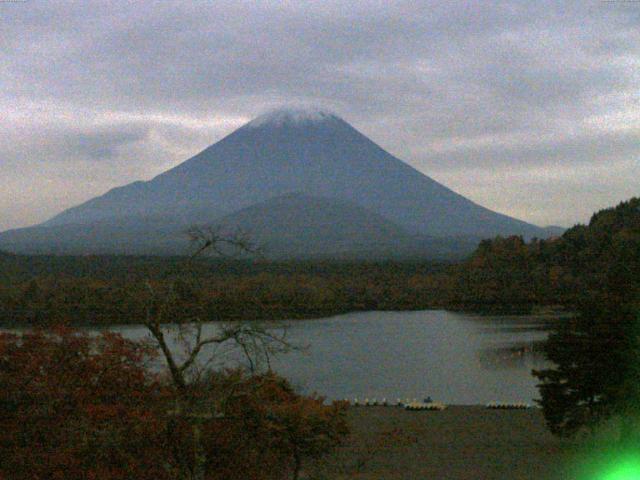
(529, 108)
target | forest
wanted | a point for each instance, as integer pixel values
(502, 275)
(111, 290)
(603, 256)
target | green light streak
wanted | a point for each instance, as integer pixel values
(626, 469)
(614, 462)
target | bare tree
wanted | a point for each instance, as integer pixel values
(210, 239)
(257, 343)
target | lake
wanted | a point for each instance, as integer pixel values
(451, 357)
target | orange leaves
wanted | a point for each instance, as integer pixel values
(78, 407)
(74, 406)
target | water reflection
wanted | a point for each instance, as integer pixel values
(514, 355)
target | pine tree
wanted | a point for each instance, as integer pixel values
(596, 373)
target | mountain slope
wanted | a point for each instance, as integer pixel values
(290, 226)
(128, 235)
(280, 153)
(302, 226)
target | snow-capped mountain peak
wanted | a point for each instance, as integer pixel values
(293, 115)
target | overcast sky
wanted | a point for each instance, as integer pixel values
(530, 108)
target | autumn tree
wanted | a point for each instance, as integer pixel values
(266, 429)
(291, 426)
(77, 407)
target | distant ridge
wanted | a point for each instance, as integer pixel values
(301, 226)
(288, 151)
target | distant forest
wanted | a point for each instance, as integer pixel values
(502, 275)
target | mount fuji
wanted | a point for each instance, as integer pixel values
(302, 182)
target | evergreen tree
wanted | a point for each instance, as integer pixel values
(596, 373)
(596, 355)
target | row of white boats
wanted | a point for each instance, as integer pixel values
(428, 404)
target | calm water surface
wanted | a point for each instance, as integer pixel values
(454, 358)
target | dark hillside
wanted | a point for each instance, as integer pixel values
(601, 256)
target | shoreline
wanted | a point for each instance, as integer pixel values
(551, 311)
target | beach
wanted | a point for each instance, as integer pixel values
(460, 442)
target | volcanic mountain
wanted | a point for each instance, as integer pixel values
(289, 177)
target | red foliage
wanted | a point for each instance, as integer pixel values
(269, 428)
(74, 406)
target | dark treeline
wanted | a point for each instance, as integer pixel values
(104, 290)
(503, 274)
(603, 256)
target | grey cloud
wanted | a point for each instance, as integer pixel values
(594, 149)
(409, 74)
(104, 143)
